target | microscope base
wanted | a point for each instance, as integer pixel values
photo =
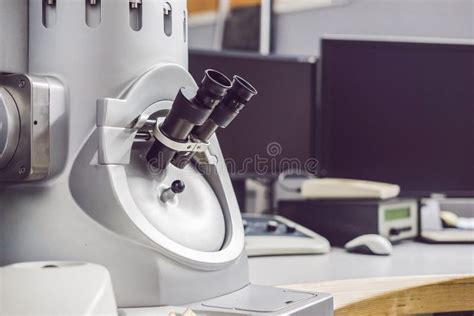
(252, 300)
(39, 286)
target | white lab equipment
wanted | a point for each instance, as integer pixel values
(84, 87)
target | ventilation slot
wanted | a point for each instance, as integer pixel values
(136, 15)
(93, 13)
(49, 13)
(168, 19)
(185, 27)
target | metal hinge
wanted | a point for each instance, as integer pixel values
(134, 4)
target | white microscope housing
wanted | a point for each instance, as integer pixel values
(78, 81)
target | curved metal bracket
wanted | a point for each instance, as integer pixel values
(191, 145)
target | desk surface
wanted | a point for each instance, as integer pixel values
(408, 258)
(398, 295)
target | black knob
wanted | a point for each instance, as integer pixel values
(394, 232)
(272, 226)
(177, 186)
(291, 228)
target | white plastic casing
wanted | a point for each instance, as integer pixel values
(56, 288)
(90, 210)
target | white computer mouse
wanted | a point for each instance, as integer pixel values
(370, 244)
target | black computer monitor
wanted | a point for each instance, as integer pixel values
(399, 112)
(276, 130)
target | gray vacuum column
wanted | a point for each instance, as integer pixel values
(99, 50)
(13, 36)
(116, 61)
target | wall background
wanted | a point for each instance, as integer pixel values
(298, 33)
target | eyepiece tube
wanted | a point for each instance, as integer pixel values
(213, 88)
(191, 107)
(236, 99)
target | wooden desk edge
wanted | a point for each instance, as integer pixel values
(398, 295)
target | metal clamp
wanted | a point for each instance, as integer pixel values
(29, 97)
(191, 145)
(134, 4)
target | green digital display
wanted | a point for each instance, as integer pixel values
(397, 213)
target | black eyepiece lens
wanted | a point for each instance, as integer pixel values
(243, 89)
(213, 88)
(214, 84)
(217, 78)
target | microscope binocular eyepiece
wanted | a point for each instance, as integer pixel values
(191, 107)
(199, 113)
(236, 99)
(213, 89)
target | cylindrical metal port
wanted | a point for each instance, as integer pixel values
(9, 127)
(14, 36)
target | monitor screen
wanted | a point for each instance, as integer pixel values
(398, 112)
(276, 131)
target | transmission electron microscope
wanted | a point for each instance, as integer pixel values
(114, 195)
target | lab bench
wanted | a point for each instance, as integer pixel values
(408, 258)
